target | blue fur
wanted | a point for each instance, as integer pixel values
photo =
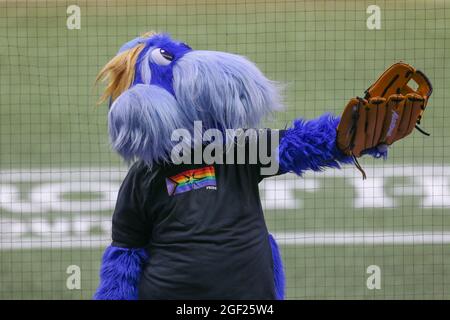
(278, 270)
(141, 121)
(131, 44)
(120, 273)
(143, 73)
(149, 72)
(223, 90)
(311, 145)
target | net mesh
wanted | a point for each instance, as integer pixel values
(340, 238)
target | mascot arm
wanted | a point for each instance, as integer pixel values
(125, 258)
(120, 273)
(311, 145)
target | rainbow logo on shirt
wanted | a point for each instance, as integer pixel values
(191, 180)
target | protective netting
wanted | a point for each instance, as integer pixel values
(386, 237)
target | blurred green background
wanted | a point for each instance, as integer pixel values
(323, 52)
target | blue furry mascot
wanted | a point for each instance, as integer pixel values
(196, 231)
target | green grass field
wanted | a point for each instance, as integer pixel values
(52, 217)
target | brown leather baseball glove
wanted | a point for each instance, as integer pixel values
(389, 111)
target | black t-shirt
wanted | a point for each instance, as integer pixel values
(203, 227)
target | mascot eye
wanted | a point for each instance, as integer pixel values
(162, 57)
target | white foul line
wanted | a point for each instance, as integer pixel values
(362, 238)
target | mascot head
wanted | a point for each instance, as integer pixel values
(156, 85)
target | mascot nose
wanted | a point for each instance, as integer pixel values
(224, 90)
